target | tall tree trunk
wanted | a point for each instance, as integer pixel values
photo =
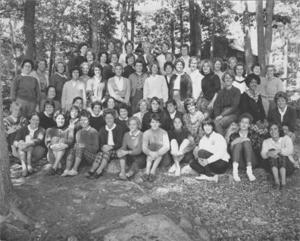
(247, 39)
(52, 54)
(198, 35)
(269, 30)
(172, 30)
(132, 21)
(181, 21)
(192, 27)
(29, 32)
(260, 34)
(212, 41)
(94, 36)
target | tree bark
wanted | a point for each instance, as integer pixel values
(247, 39)
(269, 30)
(212, 37)
(260, 34)
(94, 36)
(29, 31)
(172, 37)
(52, 54)
(181, 21)
(132, 21)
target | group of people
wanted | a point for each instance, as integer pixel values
(145, 111)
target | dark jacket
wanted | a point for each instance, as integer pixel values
(289, 118)
(211, 84)
(255, 109)
(38, 135)
(147, 117)
(169, 120)
(118, 134)
(186, 89)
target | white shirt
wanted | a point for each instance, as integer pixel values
(284, 144)
(173, 115)
(177, 82)
(282, 113)
(119, 82)
(215, 144)
(196, 78)
(155, 85)
(186, 60)
(161, 59)
(240, 84)
(96, 87)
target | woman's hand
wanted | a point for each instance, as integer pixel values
(107, 148)
(122, 153)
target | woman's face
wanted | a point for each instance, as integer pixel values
(78, 103)
(171, 108)
(244, 124)
(169, 57)
(51, 93)
(143, 107)
(60, 120)
(281, 103)
(130, 61)
(129, 48)
(193, 64)
(228, 81)
(154, 124)
(75, 75)
(177, 124)
(179, 67)
(253, 85)
(97, 109)
(103, 58)
(97, 72)
(89, 56)
(191, 108)
(154, 69)
(27, 67)
(257, 70)
(60, 68)
(274, 131)
(73, 113)
(232, 63)
(207, 129)
(111, 103)
(109, 120)
(133, 125)
(206, 68)
(49, 109)
(218, 66)
(84, 122)
(169, 70)
(154, 106)
(83, 50)
(34, 121)
(111, 46)
(239, 70)
(139, 67)
(85, 69)
(270, 72)
(42, 66)
(114, 58)
(119, 70)
(123, 113)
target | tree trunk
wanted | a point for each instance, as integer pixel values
(269, 30)
(198, 35)
(29, 32)
(172, 30)
(132, 21)
(52, 55)
(247, 39)
(181, 21)
(94, 36)
(212, 41)
(260, 34)
(192, 27)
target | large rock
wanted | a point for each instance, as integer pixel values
(147, 228)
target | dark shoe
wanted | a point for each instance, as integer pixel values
(145, 177)
(97, 175)
(152, 178)
(51, 172)
(89, 174)
(276, 186)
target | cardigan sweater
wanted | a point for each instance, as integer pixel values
(56, 135)
(157, 140)
(58, 81)
(38, 135)
(115, 92)
(284, 144)
(26, 88)
(137, 82)
(118, 133)
(88, 137)
(133, 143)
(97, 122)
(289, 118)
(211, 84)
(185, 89)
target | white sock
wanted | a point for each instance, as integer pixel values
(250, 173)
(235, 172)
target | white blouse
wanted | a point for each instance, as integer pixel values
(196, 78)
(284, 144)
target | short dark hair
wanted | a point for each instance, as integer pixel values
(171, 101)
(155, 99)
(41, 60)
(81, 45)
(34, 114)
(255, 65)
(280, 130)
(208, 121)
(128, 56)
(57, 113)
(128, 42)
(123, 106)
(74, 68)
(280, 94)
(138, 61)
(77, 98)
(109, 112)
(179, 61)
(239, 64)
(156, 117)
(168, 63)
(246, 116)
(49, 102)
(228, 73)
(85, 113)
(101, 53)
(27, 61)
(60, 62)
(49, 87)
(96, 65)
(185, 46)
(251, 77)
(96, 103)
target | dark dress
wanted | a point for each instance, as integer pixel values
(128, 70)
(97, 122)
(169, 120)
(46, 122)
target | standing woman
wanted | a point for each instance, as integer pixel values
(58, 139)
(277, 151)
(218, 68)
(90, 59)
(239, 80)
(131, 150)
(72, 89)
(114, 60)
(180, 85)
(210, 87)
(84, 76)
(155, 145)
(106, 68)
(25, 90)
(129, 68)
(196, 78)
(128, 50)
(50, 96)
(168, 73)
(59, 79)
(232, 62)
(41, 74)
(29, 143)
(95, 85)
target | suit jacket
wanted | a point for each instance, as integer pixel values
(186, 88)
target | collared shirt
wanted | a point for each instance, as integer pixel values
(119, 83)
(239, 83)
(196, 78)
(282, 113)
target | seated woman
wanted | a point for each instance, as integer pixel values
(193, 119)
(73, 118)
(122, 120)
(211, 156)
(242, 148)
(58, 139)
(180, 141)
(155, 107)
(86, 146)
(226, 104)
(12, 124)
(131, 150)
(172, 113)
(46, 117)
(29, 144)
(155, 145)
(96, 120)
(278, 152)
(78, 102)
(283, 115)
(110, 140)
(143, 107)
(50, 95)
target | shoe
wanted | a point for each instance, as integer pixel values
(122, 177)
(276, 186)
(250, 176)
(97, 175)
(65, 173)
(73, 173)
(145, 177)
(51, 172)
(89, 174)
(201, 177)
(172, 169)
(236, 177)
(151, 178)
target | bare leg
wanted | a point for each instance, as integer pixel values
(276, 175)
(58, 156)
(155, 165)
(283, 176)
(29, 158)
(123, 166)
(148, 165)
(102, 166)
(22, 156)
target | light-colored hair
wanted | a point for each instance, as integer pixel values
(137, 120)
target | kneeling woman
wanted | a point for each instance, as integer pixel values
(110, 140)
(211, 156)
(58, 139)
(155, 146)
(29, 143)
(278, 151)
(131, 150)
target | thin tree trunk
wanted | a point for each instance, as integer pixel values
(181, 21)
(212, 42)
(260, 34)
(192, 27)
(29, 32)
(269, 30)
(247, 40)
(52, 54)
(94, 27)
(172, 30)
(132, 21)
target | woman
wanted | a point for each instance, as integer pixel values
(41, 74)
(179, 141)
(251, 101)
(196, 78)
(137, 80)
(193, 119)
(25, 90)
(119, 87)
(155, 85)
(168, 73)
(180, 85)
(155, 145)
(29, 144)
(90, 59)
(110, 140)
(73, 88)
(155, 107)
(129, 68)
(218, 67)
(73, 117)
(96, 119)
(172, 113)
(57, 140)
(128, 50)
(58, 79)
(210, 86)
(106, 68)
(143, 107)
(283, 114)
(114, 60)
(239, 79)
(95, 85)
(123, 119)
(277, 151)
(84, 76)
(242, 145)
(226, 104)
(50, 96)
(131, 150)
(79, 59)
(211, 156)
(232, 62)
(46, 117)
